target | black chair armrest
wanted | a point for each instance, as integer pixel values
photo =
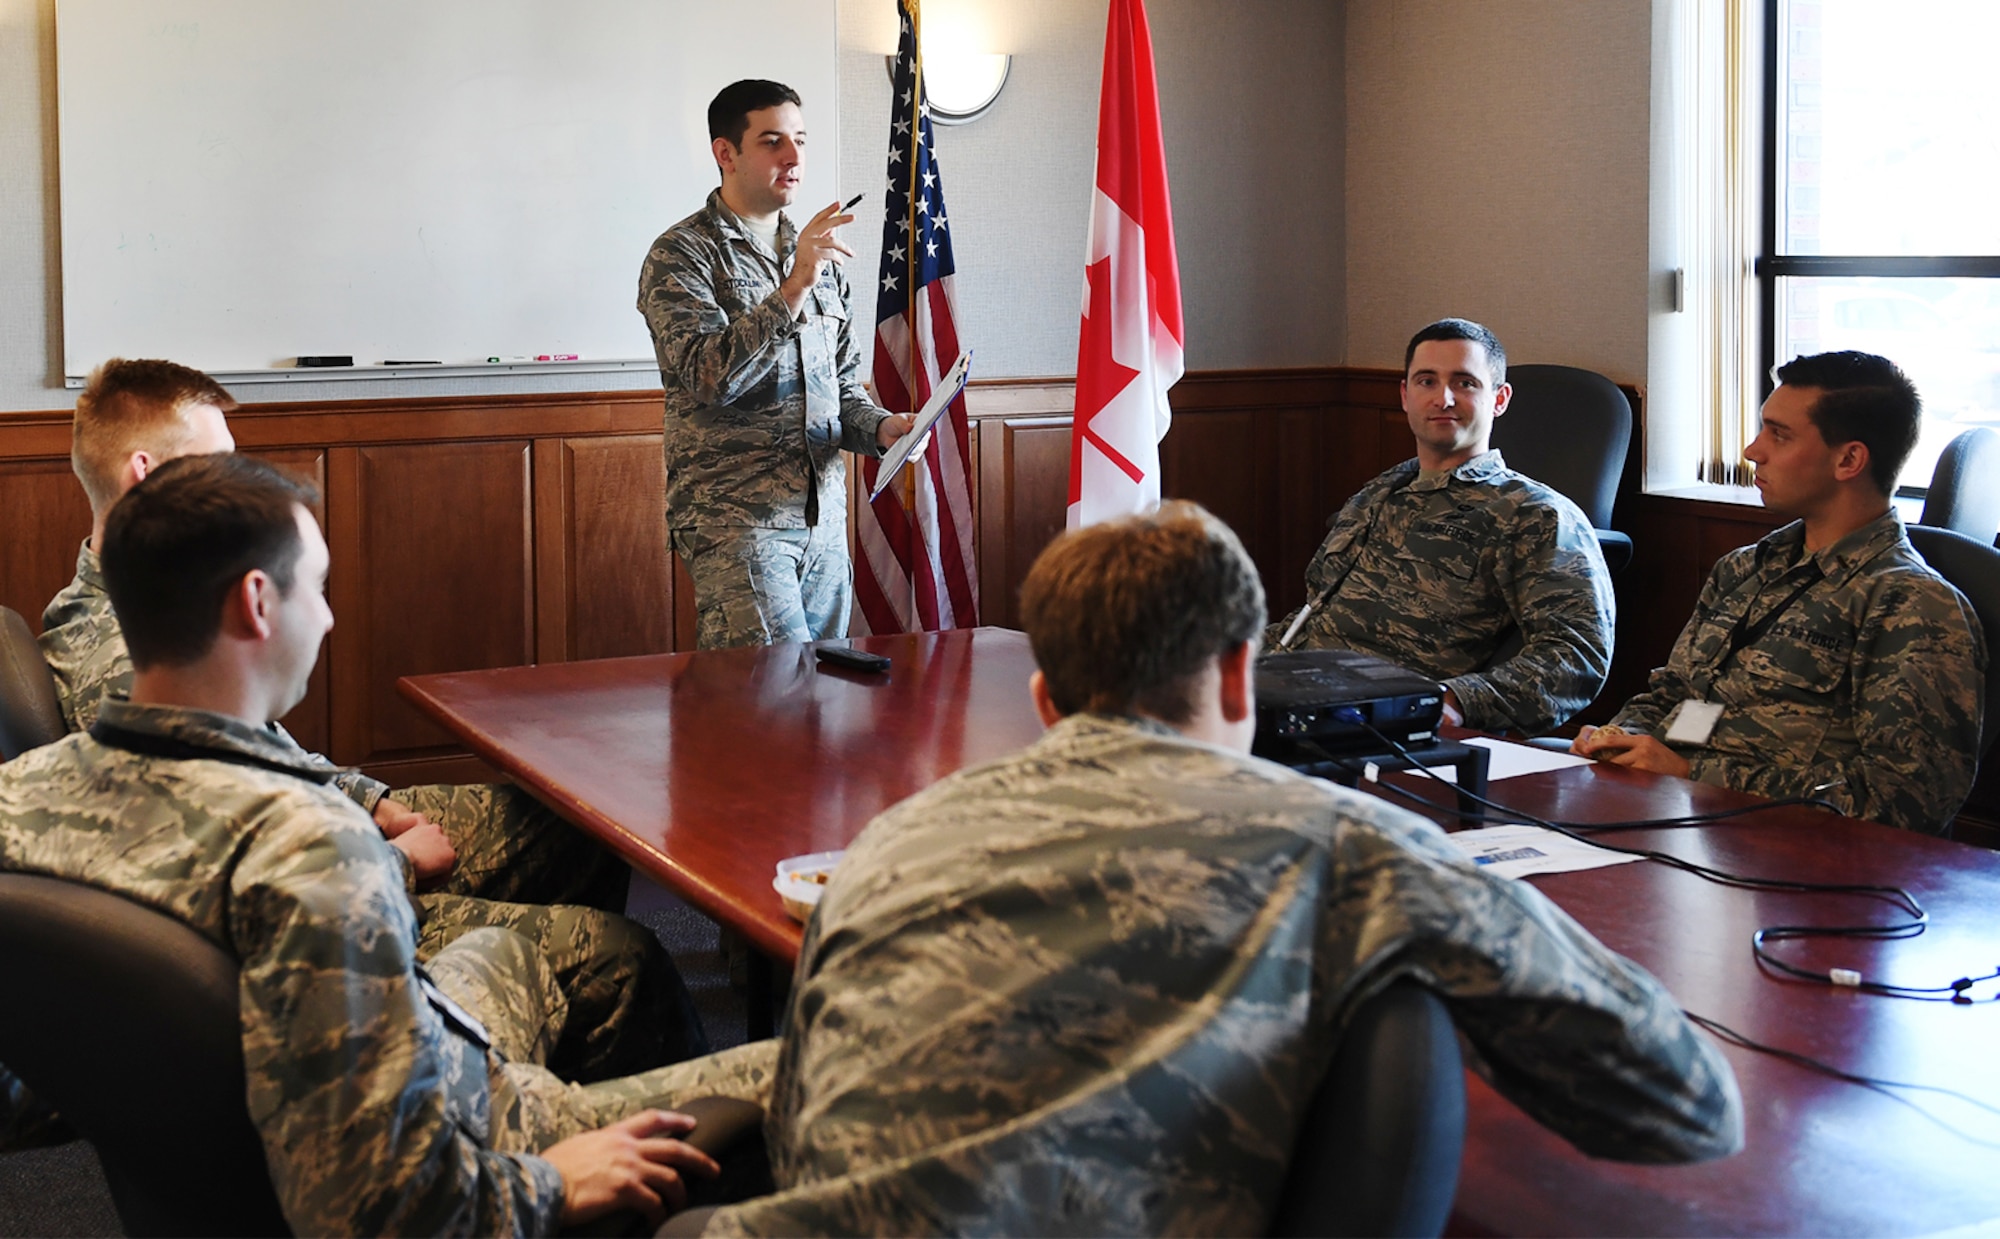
(1617, 548)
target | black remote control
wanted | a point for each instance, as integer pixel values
(852, 659)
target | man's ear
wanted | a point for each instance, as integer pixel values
(1502, 396)
(1045, 705)
(246, 611)
(1238, 694)
(137, 466)
(725, 154)
(1850, 460)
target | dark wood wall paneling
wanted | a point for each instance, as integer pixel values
(466, 532)
(485, 531)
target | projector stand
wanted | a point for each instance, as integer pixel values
(1467, 762)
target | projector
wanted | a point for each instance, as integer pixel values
(1332, 698)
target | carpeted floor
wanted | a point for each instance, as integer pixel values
(61, 1191)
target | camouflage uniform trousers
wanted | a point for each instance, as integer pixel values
(620, 1006)
(513, 848)
(759, 586)
(505, 981)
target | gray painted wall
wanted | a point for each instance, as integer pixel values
(1253, 97)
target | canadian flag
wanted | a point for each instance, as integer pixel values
(1129, 348)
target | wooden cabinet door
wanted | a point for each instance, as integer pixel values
(606, 584)
(1023, 502)
(44, 518)
(433, 570)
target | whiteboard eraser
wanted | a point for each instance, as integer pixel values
(322, 360)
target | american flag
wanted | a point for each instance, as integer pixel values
(916, 569)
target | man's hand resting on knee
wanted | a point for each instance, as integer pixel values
(633, 1164)
(431, 855)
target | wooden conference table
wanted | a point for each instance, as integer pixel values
(704, 770)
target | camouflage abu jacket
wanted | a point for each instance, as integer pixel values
(1090, 989)
(1436, 571)
(85, 648)
(376, 1111)
(1866, 690)
(759, 405)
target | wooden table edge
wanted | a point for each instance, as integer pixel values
(779, 937)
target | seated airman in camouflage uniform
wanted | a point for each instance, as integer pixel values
(1438, 563)
(1090, 989)
(393, 1097)
(490, 846)
(1841, 665)
(750, 321)
(498, 842)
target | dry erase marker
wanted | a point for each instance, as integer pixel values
(496, 360)
(851, 201)
(412, 363)
(557, 357)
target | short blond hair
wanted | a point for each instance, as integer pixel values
(135, 406)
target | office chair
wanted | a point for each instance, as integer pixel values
(1378, 1150)
(30, 714)
(1379, 1144)
(125, 1020)
(1973, 566)
(1569, 429)
(1957, 500)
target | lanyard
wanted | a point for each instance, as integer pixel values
(1355, 548)
(1745, 633)
(151, 745)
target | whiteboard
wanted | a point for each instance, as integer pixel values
(247, 181)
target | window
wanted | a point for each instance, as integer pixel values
(1881, 230)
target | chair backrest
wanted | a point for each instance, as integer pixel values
(125, 1020)
(30, 714)
(1974, 567)
(1568, 429)
(1379, 1149)
(1959, 500)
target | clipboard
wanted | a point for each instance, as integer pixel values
(901, 450)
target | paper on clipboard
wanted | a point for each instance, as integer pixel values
(901, 450)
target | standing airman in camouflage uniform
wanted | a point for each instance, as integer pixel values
(750, 321)
(392, 1098)
(1842, 665)
(1439, 562)
(1091, 988)
(504, 844)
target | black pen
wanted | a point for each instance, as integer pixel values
(851, 201)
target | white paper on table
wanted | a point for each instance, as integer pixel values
(1509, 759)
(1517, 851)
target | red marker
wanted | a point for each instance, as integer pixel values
(557, 357)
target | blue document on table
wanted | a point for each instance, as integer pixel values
(903, 449)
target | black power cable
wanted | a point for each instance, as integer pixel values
(1920, 920)
(1723, 1032)
(1842, 977)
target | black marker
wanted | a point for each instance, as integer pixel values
(851, 201)
(412, 363)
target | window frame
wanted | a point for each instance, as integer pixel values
(1771, 265)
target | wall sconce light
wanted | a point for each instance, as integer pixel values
(960, 86)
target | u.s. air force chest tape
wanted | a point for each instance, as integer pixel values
(1693, 722)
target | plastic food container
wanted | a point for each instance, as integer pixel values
(802, 880)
